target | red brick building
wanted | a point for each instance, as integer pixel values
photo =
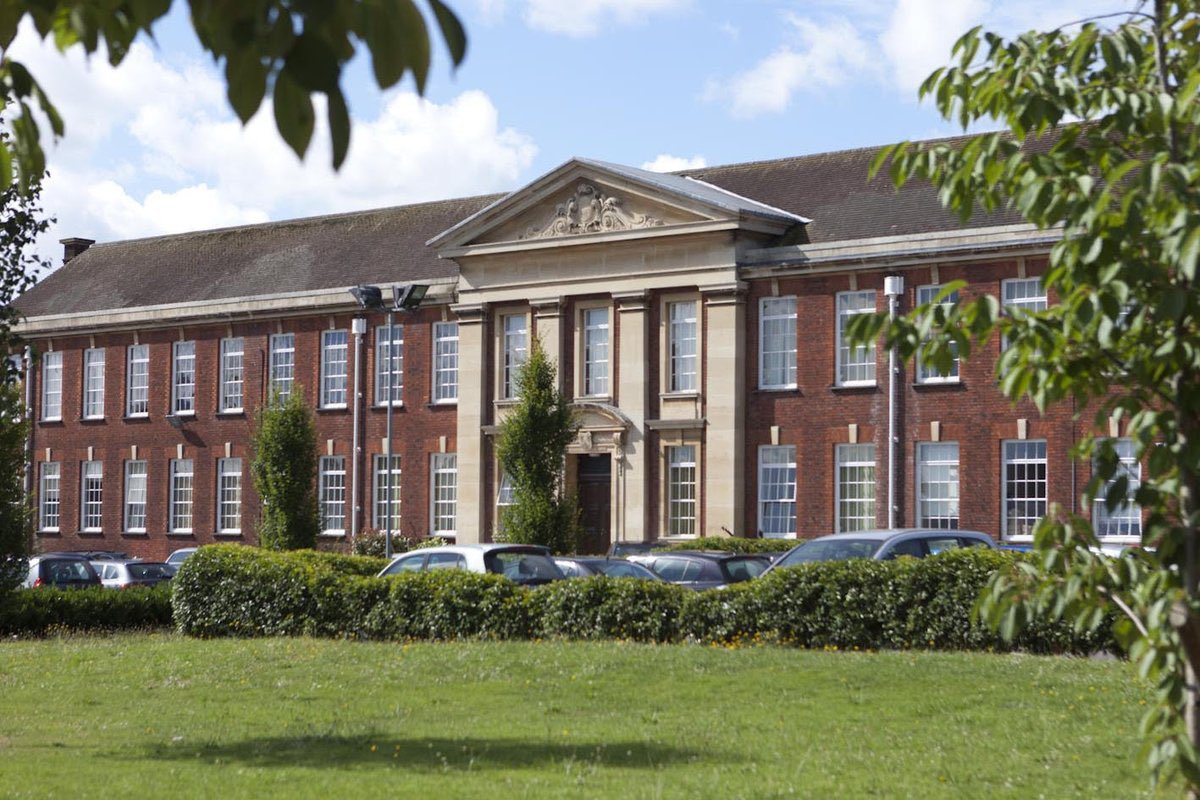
(696, 319)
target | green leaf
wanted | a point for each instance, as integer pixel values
(1189, 253)
(6, 166)
(246, 83)
(10, 16)
(339, 126)
(294, 116)
(452, 31)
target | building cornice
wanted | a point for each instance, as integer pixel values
(172, 315)
(889, 252)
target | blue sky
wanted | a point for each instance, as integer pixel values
(151, 148)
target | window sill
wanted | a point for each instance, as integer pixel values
(229, 534)
(332, 407)
(49, 532)
(233, 412)
(184, 414)
(794, 389)
(182, 534)
(849, 388)
(90, 420)
(947, 384)
(443, 403)
(130, 417)
(690, 394)
(594, 398)
(332, 534)
(384, 406)
(51, 421)
(139, 534)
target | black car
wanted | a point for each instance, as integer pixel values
(60, 571)
(704, 569)
(583, 566)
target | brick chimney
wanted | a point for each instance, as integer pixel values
(74, 246)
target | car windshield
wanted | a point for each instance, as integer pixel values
(743, 569)
(523, 566)
(836, 549)
(143, 571)
(67, 571)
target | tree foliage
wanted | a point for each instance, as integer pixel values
(532, 447)
(285, 473)
(287, 49)
(1101, 141)
(14, 505)
(21, 223)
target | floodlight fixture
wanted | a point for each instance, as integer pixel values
(368, 297)
(407, 297)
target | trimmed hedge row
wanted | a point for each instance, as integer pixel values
(241, 591)
(34, 612)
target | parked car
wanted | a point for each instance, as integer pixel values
(704, 569)
(583, 566)
(881, 545)
(123, 574)
(102, 555)
(623, 549)
(526, 564)
(60, 571)
(179, 556)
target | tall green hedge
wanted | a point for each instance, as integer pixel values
(35, 612)
(926, 604)
(731, 544)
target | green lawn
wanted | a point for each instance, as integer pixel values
(159, 715)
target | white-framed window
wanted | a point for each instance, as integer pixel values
(135, 496)
(137, 381)
(233, 359)
(777, 343)
(515, 348)
(444, 493)
(1127, 519)
(389, 359)
(445, 362)
(52, 378)
(385, 479)
(334, 368)
(91, 496)
(183, 378)
(682, 346)
(332, 483)
(93, 383)
(49, 496)
(928, 374)
(283, 365)
(505, 497)
(855, 364)
(595, 351)
(1022, 295)
(855, 485)
(182, 496)
(1024, 488)
(937, 484)
(229, 495)
(681, 490)
(777, 491)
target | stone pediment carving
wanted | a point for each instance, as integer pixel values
(589, 210)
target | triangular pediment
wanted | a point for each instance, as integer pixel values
(582, 201)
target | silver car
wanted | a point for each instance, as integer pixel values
(881, 545)
(123, 574)
(526, 564)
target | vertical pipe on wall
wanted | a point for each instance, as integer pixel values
(27, 377)
(893, 287)
(358, 327)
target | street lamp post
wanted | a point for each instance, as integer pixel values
(404, 298)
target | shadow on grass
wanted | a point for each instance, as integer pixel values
(432, 753)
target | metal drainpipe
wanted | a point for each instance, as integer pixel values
(893, 287)
(358, 326)
(27, 364)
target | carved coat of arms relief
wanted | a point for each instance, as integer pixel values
(590, 210)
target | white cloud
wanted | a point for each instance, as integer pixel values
(588, 17)
(920, 33)
(152, 148)
(824, 55)
(665, 162)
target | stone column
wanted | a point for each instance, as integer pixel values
(630, 513)
(473, 366)
(725, 395)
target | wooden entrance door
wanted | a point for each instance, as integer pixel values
(595, 502)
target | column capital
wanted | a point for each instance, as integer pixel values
(631, 301)
(470, 313)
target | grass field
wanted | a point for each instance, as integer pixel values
(162, 716)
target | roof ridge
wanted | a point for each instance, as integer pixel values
(291, 221)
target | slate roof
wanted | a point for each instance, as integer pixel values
(387, 245)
